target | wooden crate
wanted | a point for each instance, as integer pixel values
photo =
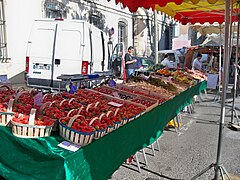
(153, 101)
(119, 93)
(143, 92)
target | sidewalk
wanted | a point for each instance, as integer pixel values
(186, 153)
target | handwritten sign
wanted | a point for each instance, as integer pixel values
(115, 104)
(38, 99)
(69, 146)
(4, 79)
(115, 94)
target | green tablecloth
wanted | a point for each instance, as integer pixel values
(43, 159)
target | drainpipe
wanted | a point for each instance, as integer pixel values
(133, 23)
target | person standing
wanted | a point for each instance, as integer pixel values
(166, 62)
(130, 62)
(197, 65)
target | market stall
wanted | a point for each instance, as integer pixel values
(41, 158)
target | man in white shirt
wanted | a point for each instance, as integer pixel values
(166, 62)
(197, 65)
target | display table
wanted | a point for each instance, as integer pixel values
(43, 159)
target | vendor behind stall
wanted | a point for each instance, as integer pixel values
(197, 65)
(166, 62)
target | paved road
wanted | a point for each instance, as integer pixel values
(184, 154)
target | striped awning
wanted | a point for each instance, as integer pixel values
(187, 11)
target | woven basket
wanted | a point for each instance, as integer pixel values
(116, 124)
(76, 137)
(5, 117)
(109, 129)
(45, 105)
(126, 120)
(98, 133)
(30, 130)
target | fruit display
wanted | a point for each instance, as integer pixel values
(149, 103)
(86, 97)
(6, 93)
(182, 77)
(143, 102)
(111, 92)
(198, 75)
(3, 108)
(76, 130)
(24, 102)
(157, 82)
(165, 72)
(31, 126)
(80, 124)
(136, 90)
(160, 83)
(39, 121)
(180, 87)
(90, 113)
(159, 90)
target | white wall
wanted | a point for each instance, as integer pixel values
(19, 17)
(113, 13)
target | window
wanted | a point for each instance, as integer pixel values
(176, 30)
(55, 9)
(122, 33)
(97, 19)
(3, 42)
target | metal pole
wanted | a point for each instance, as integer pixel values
(225, 72)
(155, 36)
(220, 61)
(235, 74)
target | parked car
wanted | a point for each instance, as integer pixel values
(144, 62)
(174, 57)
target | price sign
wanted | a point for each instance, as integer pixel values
(115, 104)
(115, 94)
(38, 99)
(69, 146)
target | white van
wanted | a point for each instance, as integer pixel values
(174, 57)
(58, 46)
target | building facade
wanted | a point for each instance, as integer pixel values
(120, 25)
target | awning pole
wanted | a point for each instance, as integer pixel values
(155, 37)
(235, 75)
(225, 72)
(220, 61)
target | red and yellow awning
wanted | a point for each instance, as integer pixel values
(186, 11)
